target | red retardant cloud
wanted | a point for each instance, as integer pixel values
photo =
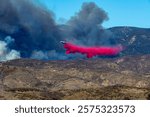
(93, 51)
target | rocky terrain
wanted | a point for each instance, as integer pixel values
(125, 77)
(136, 40)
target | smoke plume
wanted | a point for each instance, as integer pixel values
(36, 34)
(5, 52)
(86, 26)
(32, 27)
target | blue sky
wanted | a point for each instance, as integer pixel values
(121, 12)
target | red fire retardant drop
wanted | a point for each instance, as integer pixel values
(93, 51)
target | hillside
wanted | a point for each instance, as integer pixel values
(118, 78)
(136, 40)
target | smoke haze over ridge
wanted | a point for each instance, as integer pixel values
(37, 35)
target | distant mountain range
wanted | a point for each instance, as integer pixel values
(136, 40)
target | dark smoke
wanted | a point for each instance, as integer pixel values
(32, 27)
(86, 26)
(36, 35)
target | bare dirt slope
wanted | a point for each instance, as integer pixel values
(117, 78)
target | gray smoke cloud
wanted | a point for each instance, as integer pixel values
(86, 26)
(32, 26)
(37, 35)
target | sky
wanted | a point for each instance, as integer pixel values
(120, 12)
